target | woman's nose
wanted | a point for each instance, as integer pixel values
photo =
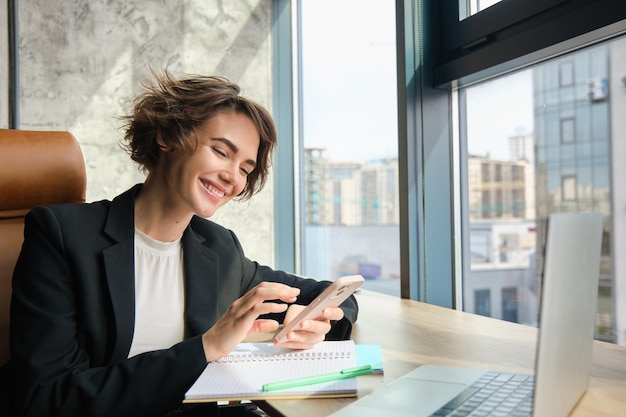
(226, 176)
(230, 174)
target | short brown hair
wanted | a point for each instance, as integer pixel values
(172, 109)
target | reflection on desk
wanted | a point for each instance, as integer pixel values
(413, 333)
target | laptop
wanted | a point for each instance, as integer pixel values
(563, 353)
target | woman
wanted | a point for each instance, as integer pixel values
(119, 305)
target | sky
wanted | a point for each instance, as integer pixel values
(349, 86)
(349, 78)
(497, 110)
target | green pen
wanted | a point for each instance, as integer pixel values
(316, 379)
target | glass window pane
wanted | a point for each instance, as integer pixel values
(567, 73)
(564, 115)
(510, 304)
(569, 188)
(349, 141)
(469, 8)
(483, 302)
(567, 130)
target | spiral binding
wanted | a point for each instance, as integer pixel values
(261, 356)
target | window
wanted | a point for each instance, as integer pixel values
(509, 304)
(566, 74)
(349, 142)
(471, 7)
(569, 168)
(482, 301)
(454, 56)
(502, 36)
(568, 188)
(567, 130)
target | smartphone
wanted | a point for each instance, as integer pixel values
(332, 296)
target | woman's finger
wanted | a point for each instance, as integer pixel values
(267, 291)
(333, 313)
(264, 326)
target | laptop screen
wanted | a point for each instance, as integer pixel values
(569, 288)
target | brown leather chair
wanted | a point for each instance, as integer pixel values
(36, 168)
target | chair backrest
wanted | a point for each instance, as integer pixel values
(36, 168)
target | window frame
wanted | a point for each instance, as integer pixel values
(514, 33)
(441, 206)
(284, 109)
(431, 159)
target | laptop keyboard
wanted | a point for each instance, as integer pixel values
(493, 394)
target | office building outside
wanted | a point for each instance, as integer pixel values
(502, 282)
(574, 141)
(352, 214)
(350, 193)
(577, 164)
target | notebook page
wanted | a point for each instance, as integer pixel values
(241, 374)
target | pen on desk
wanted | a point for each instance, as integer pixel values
(316, 379)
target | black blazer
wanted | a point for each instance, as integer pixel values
(72, 311)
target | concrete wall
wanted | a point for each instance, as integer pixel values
(82, 62)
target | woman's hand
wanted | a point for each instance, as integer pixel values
(309, 332)
(241, 318)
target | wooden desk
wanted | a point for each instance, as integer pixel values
(413, 333)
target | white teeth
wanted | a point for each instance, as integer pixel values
(213, 190)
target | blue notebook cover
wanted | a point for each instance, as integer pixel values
(370, 355)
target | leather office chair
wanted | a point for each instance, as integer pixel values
(36, 168)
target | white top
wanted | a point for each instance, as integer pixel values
(159, 294)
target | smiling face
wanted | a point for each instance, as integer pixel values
(217, 171)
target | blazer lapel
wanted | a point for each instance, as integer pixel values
(121, 280)
(201, 281)
(119, 264)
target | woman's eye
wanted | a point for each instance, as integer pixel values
(245, 171)
(219, 151)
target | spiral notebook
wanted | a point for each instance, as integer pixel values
(242, 374)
